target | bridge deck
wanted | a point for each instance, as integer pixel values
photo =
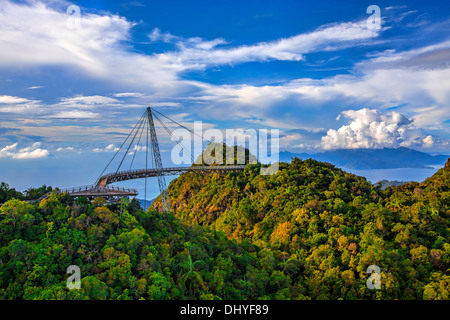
(143, 173)
(96, 191)
(113, 193)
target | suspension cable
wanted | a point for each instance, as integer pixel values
(174, 138)
(139, 141)
(129, 146)
(182, 126)
(118, 149)
(138, 129)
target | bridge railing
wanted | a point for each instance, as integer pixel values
(76, 189)
(139, 173)
(120, 188)
(93, 187)
(193, 168)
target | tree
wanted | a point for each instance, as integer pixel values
(17, 213)
(192, 279)
(7, 193)
(438, 288)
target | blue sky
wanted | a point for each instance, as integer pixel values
(70, 93)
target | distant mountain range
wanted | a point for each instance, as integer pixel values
(385, 158)
(385, 183)
(146, 203)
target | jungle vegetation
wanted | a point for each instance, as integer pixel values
(310, 231)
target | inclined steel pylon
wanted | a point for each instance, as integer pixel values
(158, 163)
(145, 125)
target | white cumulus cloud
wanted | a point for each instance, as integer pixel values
(75, 114)
(370, 128)
(12, 99)
(65, 149)
(109, 148)
(31, 152)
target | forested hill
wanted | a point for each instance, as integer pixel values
(332, 224)
(308, 232)
(250, 205)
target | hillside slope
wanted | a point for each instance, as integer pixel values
(308, 232)
(334, 224)
(125, 254)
